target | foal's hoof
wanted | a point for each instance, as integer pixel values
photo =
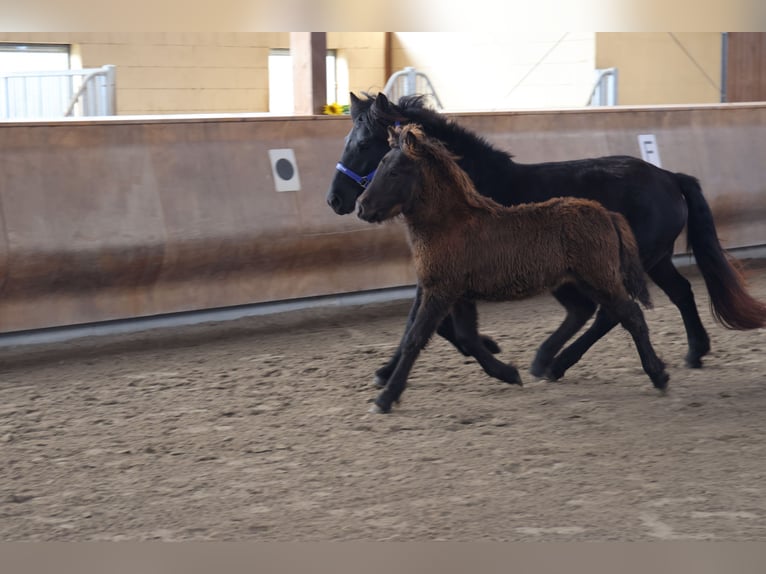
(661, 381)
(376, 410)
(693, 362)
(381, 406)
(490, 344)
(512, 377)
(380, 381)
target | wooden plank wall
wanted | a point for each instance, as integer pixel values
(746, 67)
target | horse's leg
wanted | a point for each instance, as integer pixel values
(678, 289)
(579, 309)
(630, 316)
(446, 329)
(607, 317)
(466, 331)
(602, 324)
(430, 312)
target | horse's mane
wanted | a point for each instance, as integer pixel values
(414, 109)
(442, 163)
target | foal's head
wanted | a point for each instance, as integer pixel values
(418, 170)
(411, 169)
(397, 177)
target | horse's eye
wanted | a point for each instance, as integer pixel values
(364, 144)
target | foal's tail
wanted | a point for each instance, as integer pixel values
(632, 270)
(730, 302)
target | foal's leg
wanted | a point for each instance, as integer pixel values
(579, 309)
(466, 325)
(631, 317)
(448, 329)
(445, 329)
(678, 289)
(384, 373)
(430, 312)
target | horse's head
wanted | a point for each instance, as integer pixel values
(391, 192)
(365, 147)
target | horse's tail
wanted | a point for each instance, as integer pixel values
(632, 270)
(730, 303)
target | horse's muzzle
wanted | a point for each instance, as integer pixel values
(336, 203)
(341, 203)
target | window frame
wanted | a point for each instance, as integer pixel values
(331, 68)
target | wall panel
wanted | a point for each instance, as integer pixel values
(134, 217)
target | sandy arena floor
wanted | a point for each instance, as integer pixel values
(258, 429)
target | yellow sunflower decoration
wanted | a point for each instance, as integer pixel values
(335, 109)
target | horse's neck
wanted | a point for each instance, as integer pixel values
(476, 156)
(439, 127)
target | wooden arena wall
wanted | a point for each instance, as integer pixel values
(132, 217)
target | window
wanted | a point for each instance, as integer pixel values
(33, 58)
(281, 81)
(33, 80)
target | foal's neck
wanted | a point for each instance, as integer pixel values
(443, 205)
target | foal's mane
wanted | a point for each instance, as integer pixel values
(440, 164)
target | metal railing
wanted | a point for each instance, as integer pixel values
(62, 93)
(408, 82)
(604, 92)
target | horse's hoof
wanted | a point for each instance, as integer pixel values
(490, 344)
(537, 371)
(552, 374)
(380, 382)
(661, 381)
(376, 410)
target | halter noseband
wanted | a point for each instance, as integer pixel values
(362, 180)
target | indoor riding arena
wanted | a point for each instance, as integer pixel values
(190, 337)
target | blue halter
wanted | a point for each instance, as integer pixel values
(362, 180)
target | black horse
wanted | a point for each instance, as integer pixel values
(657, 204)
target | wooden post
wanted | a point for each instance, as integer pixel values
(309, 53)
(745, 66)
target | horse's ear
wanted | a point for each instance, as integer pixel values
(381, 101)
(355, 105)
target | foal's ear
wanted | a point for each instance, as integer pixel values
(409, 138)
(393, 136)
